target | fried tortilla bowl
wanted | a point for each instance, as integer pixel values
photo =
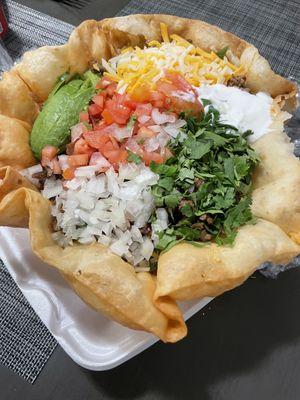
(103, 280)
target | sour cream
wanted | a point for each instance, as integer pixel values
(240, 108)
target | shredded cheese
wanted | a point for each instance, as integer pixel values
(136, 68)
(164, 32)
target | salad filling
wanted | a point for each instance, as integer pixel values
(152, 152)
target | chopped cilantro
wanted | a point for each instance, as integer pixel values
(132, 121)
(132, 157)
(206, 185)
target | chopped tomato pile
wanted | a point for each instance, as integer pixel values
(116, 125)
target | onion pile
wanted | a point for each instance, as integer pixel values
(110, 208)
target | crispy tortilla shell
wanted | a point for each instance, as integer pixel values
(102, 279)
(14, 143)
(187, 272)
(16, 100)
(276, 195)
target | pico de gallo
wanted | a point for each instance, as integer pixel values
(116, 126)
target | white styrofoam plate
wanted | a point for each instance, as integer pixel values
(89, 338)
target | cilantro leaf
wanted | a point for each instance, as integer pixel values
(241, 167)
(186, 173)
(205, 102)
(163, 169)
(132, 121)
(198, 148)
(239, 215)
(166, 182)
(132, 157)
(229, 169)
(164, 240)
(172, 200)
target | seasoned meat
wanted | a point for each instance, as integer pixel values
(238, 81)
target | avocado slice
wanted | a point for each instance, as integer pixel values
(61, 111)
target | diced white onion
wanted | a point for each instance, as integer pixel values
(109, 208)
(87, 171)
(34, 169)
(99, 161)
(63, 161)
(52, 188)
(162, 118)
(133, 146)
(151, 144)
(77, 131)
(143, 119)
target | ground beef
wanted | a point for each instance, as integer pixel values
(238, 81)
(185, 202)
(42, 176)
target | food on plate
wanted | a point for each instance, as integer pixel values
(60, 111)
(154, 166)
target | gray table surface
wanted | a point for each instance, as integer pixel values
(244, 345)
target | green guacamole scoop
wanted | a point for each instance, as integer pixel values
(61, 111)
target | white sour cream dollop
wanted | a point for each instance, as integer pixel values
(240, 108)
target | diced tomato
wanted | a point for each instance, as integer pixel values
(179, 81)
(84, 116)
(69, 173)
(157, 99)
(130, 103)
(117, 110)
(111, 89)
(106, 115)
(165, 87)
(48, 153)
(159, 104)
(177, 93)
(123, 108)
(141, 93)
(99, 125)
(114, 142)
(116, 156)
(99, 100)
(143, 109)
(108, 146)
(78, 160)
(55, 166)
(157, 96)
(148, 157)
(81, 147)
(95, 111)
(96, 139)
(179, 105)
